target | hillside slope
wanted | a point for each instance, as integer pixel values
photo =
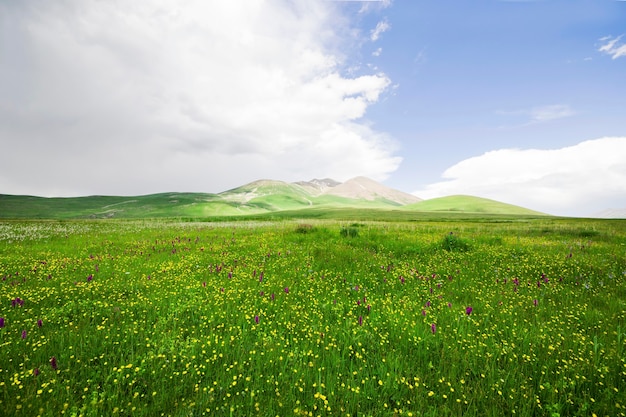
(469, 204)
(256, 198)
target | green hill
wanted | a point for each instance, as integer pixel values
(258, 198)
(155, 205)
(469, 204)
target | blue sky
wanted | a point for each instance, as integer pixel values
(519, 101)
(474, 77)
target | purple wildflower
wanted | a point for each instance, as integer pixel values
(39, 323)
(89, 278)
(256, 319)
(360, 320)
(272, 296)
(36, 371)
(1, 321)
(433, 328)
(24, 334)
(423, 312)
(535, 302)
(449, 305)
(286, 290)
(468, 310)
(53, 363)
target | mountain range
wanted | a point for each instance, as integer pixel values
(255, 198)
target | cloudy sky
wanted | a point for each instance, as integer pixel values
(519, 101)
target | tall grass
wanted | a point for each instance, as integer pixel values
(293, 318)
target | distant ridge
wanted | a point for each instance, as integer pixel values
(611, 214)
(318, 187)
(259, 197)
(367, 189)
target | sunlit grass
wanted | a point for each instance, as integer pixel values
(150, 318)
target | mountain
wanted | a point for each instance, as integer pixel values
(267, 195)
(367, 189)
(469, 204)
(318, 187)
(359, 191)
(611, 214)
(256, 198)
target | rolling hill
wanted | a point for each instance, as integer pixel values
(469, 204)
(256, 198)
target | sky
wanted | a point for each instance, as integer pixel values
(520, 101)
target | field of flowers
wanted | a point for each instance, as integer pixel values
(149, 318)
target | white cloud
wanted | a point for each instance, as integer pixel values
(136, 97)
(368, 5)
(380, 28)
(613, 46)
(576, 180)
(545, 113)
(537, 114)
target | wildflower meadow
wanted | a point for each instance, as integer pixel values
(307, 318)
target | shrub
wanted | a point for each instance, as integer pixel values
(349, 232)
(453, 243)
(305, 228)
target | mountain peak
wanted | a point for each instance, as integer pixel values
(368, 189)
(317, 186)
(358, 188)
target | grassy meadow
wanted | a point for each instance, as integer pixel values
(313, 317)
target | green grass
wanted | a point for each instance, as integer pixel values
(296, 317)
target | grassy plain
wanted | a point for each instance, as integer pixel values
(475, 317)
